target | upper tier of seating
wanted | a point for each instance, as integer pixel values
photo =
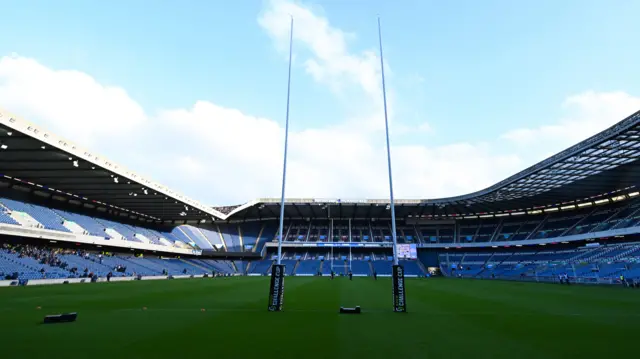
(252, 236)
(226, 237)
(478, 230)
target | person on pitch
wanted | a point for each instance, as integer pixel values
(350, 275)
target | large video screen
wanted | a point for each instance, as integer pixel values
(407, 251)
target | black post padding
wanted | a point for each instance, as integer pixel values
(276, 290)
(60, 318)
(399, 291)
(355, 310)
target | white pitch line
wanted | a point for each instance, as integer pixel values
(377, 311)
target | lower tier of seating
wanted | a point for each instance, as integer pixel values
(29, 262)
(601, 263)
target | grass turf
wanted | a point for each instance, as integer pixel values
(446, 319)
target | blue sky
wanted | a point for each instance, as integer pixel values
(508, 82)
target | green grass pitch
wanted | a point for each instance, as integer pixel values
(447, 318)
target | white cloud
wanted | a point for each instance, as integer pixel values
(425, 127)
(330, 61)
(587, 114)
(326, 57)
(72, 102)
(225, 156)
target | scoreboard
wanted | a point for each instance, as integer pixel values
(407, 251)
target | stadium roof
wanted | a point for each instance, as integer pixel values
(41, 161)
(602, 166)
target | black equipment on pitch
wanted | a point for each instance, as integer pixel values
(61, 318)
(355, 310)
(399, 299)
(276, 290)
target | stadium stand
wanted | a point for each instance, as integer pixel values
(250, 234)
(359, 267)
(32, 262)
(261, 266)
(231, 237)
(226, 209)
(308, 267)
(587, 264)
(538, 223)
(552, 226)
(603, 263)
(44, 217)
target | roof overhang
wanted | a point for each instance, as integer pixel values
(602, 168)
(596, 170)
(42, 161)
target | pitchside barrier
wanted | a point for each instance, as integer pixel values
(9, 283)
(554, 279)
